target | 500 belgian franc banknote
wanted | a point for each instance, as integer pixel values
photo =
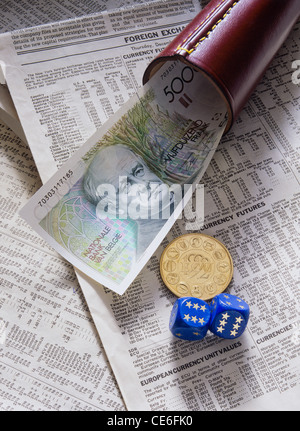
(109, 207)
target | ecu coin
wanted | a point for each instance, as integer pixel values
(197, 265)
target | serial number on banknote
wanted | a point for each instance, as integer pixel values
(56, 188)
(168, 70)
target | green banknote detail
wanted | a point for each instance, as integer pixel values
(108, 246)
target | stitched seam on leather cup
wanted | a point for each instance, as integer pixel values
(189, 51)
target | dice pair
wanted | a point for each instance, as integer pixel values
(227, 317)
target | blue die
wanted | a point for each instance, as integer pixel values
(189, 318)
(229, 316)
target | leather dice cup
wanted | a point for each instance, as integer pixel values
(227, 317)
(232, 43)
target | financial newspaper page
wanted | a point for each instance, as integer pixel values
(44, 319)
(51, 357)
(8, 112)
(19, 14)
(251, 205)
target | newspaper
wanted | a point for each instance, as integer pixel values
(19, 14)
(38, 372)
(251, 205)
(51, 357)
(8, 113)
(68, 70)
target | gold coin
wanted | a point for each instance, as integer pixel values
(196, 265)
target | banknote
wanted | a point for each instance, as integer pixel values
(110, 206)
